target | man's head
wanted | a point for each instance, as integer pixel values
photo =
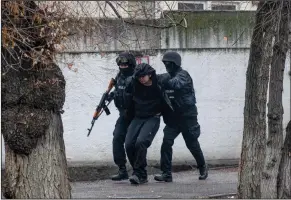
(126, 62)
(172, 61)
(144, 72)
(145, 79)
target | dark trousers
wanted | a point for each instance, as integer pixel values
(119, 135)
(140, 135)
(190, 129)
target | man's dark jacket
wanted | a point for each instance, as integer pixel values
(133, 92)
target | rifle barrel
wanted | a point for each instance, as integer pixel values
(93, 121)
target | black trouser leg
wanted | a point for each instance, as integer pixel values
(130, 139)
(166, 150)
(191, 132)
(119, 135)
(144, 140)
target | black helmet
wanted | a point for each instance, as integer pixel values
(172, 56)
(143, 69)
(126, 58)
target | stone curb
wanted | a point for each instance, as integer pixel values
(222, 196)
(218, 196)
(94, 173)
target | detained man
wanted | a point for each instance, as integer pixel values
(145, 97)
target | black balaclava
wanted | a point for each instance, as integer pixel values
(171, 67)
(128, 59)
(172, 61)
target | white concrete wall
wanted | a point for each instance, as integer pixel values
(219, 80)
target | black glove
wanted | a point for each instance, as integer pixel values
(163, 79)
(110, 96)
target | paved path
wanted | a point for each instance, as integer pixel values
(185, 185)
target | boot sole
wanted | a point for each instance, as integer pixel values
(134, 182)
(164, 180)
(143, 182)
(119, 179)
(168, 181)
(203, 178)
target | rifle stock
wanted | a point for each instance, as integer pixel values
(102, 106)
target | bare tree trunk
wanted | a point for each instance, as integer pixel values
(33, 95)
(284, 178)
(275, 106)
(257, 77)
(43, 173)
(31, 124)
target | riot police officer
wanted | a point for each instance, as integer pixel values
(180, 90)
(126, 62)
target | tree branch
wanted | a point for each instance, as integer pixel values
(140, 24)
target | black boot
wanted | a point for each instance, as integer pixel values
(122, 174)
(134, 179)
(166, 177)
(203, 172)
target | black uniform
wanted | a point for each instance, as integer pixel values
(180, 90)
(125, 116)
(148, 103)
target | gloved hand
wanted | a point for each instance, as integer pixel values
(110, 96)
(164, 79)
(135, 77)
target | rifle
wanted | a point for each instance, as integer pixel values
(102, 106)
